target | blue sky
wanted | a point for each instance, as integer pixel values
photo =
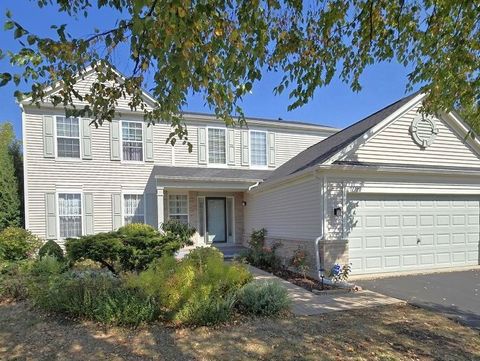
(336, 105)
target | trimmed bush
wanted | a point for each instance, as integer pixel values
(104, 248)
(18, 244)
(51, 248)
(263, 299)
(131, 248)
(197, 290)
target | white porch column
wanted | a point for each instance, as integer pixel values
(160, 206)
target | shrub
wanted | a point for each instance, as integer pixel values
(104, 248)
(259, 255)
(131, 248)
(96, 295)
(197, 290)
(51, 248)
(263, 299)
(46, 267)
(299, 261)
(17, 244)
(14, 278)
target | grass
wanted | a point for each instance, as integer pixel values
(382, 333)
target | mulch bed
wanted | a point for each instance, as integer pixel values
(308, 283)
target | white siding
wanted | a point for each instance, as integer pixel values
(102, 177)
(292, 212)
(394, 144)
(99, 176)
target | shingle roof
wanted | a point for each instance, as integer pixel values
(247, 175)
(320, 152)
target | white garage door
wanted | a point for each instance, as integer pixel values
(403, 233)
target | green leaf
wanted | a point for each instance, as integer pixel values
(5, 78)
(8, 25)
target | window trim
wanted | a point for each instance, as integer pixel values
(133, 192)
(80, 135)
(216, 165)
(179, 214)
(82, 209)
(122, 160)
(257, 166)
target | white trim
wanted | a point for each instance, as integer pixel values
(256, 166)
(178, 193)
(50, 90)
(207, 146)
(204, 237)
(234, 225)
(25, 170)
(353, 146)
(80, 135)
(122, 201)
(57, 208)
(120, 131)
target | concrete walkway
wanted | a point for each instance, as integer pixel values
(305, 303)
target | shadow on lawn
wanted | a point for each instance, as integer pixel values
(26, 334)
(388, 333)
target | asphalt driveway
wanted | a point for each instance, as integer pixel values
(454, 294)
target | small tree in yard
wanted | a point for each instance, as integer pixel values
(130, 248)
(10, 204)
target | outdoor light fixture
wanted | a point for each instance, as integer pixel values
(244, 203)
(337, 211)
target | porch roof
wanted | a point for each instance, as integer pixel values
(210, 174)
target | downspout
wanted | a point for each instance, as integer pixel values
(321, 237)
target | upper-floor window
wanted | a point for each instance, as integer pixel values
(178, 207)
(258, 148)
(68, 137)
(133, 209)
(70, 214)
(216, 146)
(132, 141)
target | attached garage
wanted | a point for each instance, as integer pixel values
(397, 191)
(413, 232)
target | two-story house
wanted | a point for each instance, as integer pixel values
(81, 180)
(396, 191)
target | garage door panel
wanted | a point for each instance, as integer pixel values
(427, 259)
(401, 232)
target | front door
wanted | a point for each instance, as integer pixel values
(216, 220)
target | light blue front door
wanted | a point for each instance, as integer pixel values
(216, 220)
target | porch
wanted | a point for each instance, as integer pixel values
(209, 199)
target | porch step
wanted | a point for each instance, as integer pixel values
(230, 251)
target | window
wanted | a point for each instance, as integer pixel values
(133, 208)
(70, 214)
(216, 146)
(178, 207)
(68, 137)
(132, 141)
(258, 148)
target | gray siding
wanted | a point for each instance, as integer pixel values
(395, 145)
(290, 212)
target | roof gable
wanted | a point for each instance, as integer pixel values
(327, 148)
(394, 144)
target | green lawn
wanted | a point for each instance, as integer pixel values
(383, 333)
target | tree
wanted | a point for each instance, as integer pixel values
(221, 48)
(10, 204)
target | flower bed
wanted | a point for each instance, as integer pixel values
(265, 258)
